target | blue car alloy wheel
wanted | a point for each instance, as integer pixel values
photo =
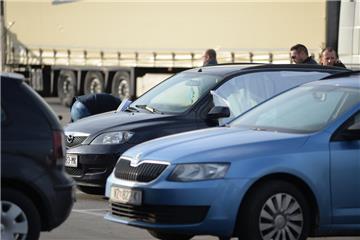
(274, 210)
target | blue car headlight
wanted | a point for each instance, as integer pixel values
(198, 171)
(113, 137)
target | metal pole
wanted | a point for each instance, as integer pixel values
(3, 36)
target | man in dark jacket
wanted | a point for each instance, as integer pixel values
(300, 55)
(329, 57)
(210, 58)
(87, 105)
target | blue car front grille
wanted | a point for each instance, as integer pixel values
(161, 214)
(145, 172)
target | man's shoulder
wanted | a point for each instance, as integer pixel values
(310, 60)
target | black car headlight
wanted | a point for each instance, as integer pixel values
(113, 137)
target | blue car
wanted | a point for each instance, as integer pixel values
(287, 169)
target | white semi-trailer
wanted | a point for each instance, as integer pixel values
(124, 48)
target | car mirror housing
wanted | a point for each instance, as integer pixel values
(350, 135)
(219, 112)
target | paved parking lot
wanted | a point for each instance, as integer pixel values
(86, 219)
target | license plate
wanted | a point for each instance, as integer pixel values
(126, 195)
(71, 160)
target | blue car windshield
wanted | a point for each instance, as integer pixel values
(177, 94)
(305, 109)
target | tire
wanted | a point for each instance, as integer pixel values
(92, 190)
(66, 87)
(262, 218)
(121, 85)
(168, 236)
(94, 83)
(19, 218)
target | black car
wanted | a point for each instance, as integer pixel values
(36, 193)
(194, 99)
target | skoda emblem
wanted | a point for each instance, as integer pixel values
(70, 138)
(135, 160)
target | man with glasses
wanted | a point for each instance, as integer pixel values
(300, 55)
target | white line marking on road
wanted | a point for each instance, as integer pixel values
(86, 211)
(95, 209)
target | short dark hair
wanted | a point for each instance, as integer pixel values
(330, 49)
(299, 48)
(212, 53)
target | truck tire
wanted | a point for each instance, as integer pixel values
(66, 87)
(94, 83)
(121, 86)
(19, 216)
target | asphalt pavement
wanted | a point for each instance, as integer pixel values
(86, 220)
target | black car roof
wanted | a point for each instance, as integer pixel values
(229, 69)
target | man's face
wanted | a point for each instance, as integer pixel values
(328, 58)
(206, 58)
(298, 57)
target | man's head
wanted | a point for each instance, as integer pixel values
(328, 57)
(299, 53)
(209, 56)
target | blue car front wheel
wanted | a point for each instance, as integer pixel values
(275, 210)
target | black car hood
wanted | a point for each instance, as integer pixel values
(112, 121)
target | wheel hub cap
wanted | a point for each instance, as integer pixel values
(14, 224)
(280, 222)
(281, 218)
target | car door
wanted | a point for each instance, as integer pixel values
(345, 173)
(245, 91)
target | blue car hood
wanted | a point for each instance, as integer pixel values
(215, 144)
(114, 121)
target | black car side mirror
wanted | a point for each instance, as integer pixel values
(350, 134)
(218, 112)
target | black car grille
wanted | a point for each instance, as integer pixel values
(145, 172)
(161, 214)
(74, 171)
(72, 141)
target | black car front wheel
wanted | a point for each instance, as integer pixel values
(20, 218)
(275, 210)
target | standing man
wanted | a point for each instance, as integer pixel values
(329, 57)
(300, 55)
(210, 58)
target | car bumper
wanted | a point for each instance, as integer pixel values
(59, 198)
(95, 163)
(200, 208)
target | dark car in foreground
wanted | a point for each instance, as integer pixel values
(287, 169)
(36, 193)
(194, 99)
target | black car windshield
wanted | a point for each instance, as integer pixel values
(176, 94)
(305, 109)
